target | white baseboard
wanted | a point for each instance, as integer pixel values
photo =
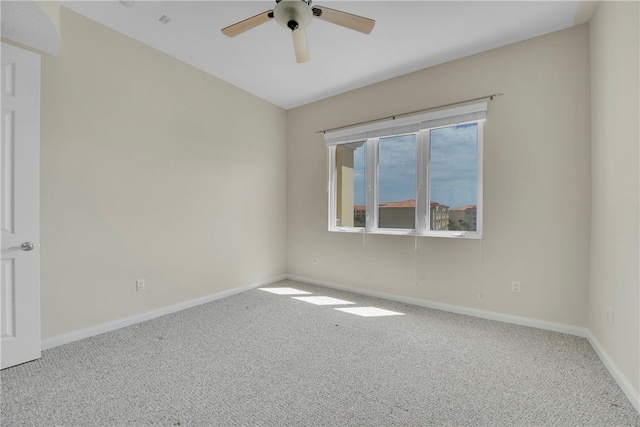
(474, 312)
(613, 369)
(138, 318)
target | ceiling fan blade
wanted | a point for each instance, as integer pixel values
(344, 19)
(247, 24)
(300, 45)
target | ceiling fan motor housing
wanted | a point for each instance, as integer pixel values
(293, 14)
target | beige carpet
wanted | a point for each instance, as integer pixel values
(264, 359)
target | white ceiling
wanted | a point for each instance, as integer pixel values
(408, 36)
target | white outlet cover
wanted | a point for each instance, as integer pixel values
(610, 316)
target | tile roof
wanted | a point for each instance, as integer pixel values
(403, 204)
(411, 203)
(464, 208)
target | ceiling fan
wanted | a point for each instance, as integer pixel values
(296, 15)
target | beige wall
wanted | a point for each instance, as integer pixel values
(150, 169)
(615, 255)
(536, 186)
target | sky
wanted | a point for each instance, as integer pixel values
(453, 168)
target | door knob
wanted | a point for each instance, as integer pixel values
(26, 246)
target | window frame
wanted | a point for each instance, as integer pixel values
(422, 220)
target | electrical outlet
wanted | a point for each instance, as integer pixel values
(515, 286)
(316, 261)
(140, 285)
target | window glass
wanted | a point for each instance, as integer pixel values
(453, 177)
(397, 182)
(418, 175)
(350, 185)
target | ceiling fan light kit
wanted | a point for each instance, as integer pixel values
(296, 15)
(293, 14)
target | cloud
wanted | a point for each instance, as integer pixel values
(453, 167)
(397, 168)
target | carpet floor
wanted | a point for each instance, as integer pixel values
(266, 359)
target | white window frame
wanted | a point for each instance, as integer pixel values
(421, 126)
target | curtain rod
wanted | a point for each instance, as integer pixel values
(489, 97)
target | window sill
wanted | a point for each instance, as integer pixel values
(400, 232)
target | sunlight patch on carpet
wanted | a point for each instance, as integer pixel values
(285, 291)
(369, 311)
(323, 300)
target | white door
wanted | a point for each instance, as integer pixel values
(19, 181)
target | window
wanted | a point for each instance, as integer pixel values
(418, 175)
